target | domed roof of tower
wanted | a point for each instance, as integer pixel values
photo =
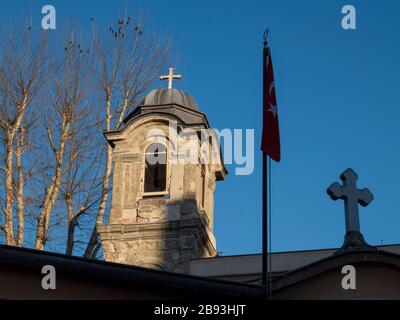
(159, 97)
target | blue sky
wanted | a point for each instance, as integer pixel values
(338, 96)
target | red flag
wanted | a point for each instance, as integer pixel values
(270, 136)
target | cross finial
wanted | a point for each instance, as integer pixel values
(171, 76)
(352, 197)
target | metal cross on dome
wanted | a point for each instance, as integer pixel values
(171, 76)
(352, 197)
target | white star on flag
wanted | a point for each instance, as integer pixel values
(273, 109)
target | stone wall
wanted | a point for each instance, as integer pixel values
(165, 230)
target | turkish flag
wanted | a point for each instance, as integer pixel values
(270, 144)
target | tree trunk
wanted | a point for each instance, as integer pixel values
(10, 135)
(71, 227)
(20, 190)
(52, 190)
(8, 228)
(105, 185)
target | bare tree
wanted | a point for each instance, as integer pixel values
(81, 188)
(66, 107)
(21, 67)
(56, 99)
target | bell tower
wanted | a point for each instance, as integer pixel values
(167, 160)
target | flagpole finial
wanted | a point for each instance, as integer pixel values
(266, 32)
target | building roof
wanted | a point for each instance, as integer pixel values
(337, 260)
(173, 102)
(248, 267)
(163, 96)
(79, 278)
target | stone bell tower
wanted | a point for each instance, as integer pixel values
(163, 192)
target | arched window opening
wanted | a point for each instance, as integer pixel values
(155, 174)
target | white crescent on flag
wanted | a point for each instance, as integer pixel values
(272, 108)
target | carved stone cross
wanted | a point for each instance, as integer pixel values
(352, 197)
(171, 76)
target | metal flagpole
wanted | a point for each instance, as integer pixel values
(265, 224)
(269, 196)
(265, 190)
(271, 150)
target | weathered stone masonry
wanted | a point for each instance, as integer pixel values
(163, 230)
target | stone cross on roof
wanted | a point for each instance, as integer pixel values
(171, 76)
(352, 196)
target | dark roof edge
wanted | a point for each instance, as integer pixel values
(132, 113)
(28, 258)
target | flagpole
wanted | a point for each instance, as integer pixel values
(269, 197)
(265, 223)
(270, 146)
(264, 194)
